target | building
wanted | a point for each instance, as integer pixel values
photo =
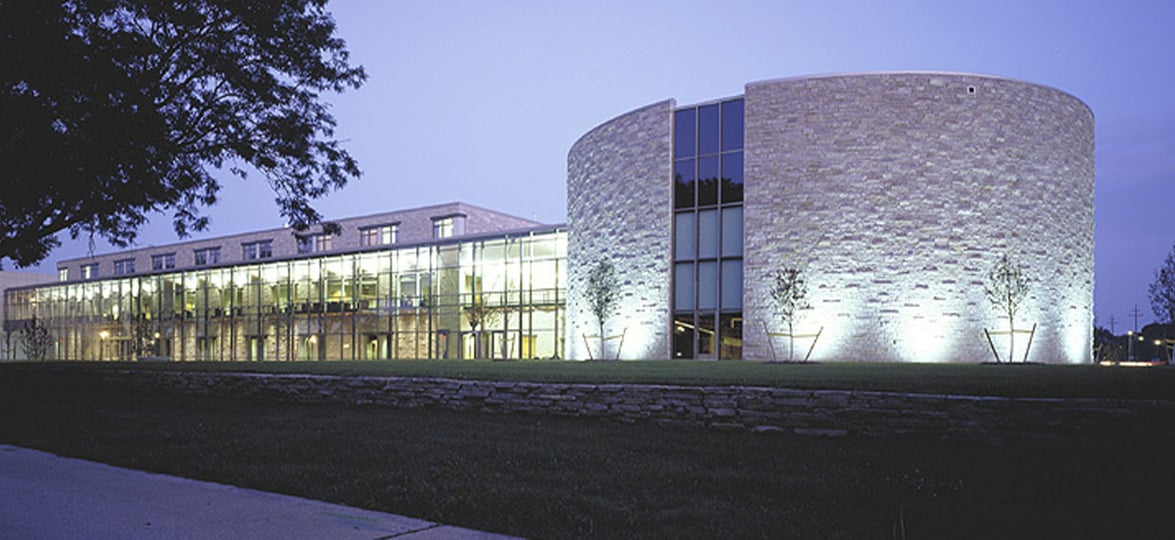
(894, 194)
(401, 284)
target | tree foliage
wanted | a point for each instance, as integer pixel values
(1162, 290)
(603, 294)
(111, 110)
(1006, 289)
(789, 289)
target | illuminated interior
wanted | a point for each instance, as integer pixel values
(410, 302)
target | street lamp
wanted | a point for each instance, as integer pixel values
(1130, 345)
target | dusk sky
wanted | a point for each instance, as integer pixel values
(480, 101)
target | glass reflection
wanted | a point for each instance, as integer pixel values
(683, 183)
(708, 181)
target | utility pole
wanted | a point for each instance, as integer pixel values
(1136, 314)
(1112, 325)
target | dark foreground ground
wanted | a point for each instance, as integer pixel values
(547, 477)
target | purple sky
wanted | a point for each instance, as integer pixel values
(480, 101)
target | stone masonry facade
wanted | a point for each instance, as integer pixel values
(619, 207)
(896, 193)
(834, 413)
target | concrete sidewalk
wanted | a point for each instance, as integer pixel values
(47, 496)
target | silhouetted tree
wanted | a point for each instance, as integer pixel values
(143, 337)
(790, 292)
(603, 294)
(114, 109)
(1162, 297)
(1162, 290)
(1105, 345)
(1006, 288)
(36, 340)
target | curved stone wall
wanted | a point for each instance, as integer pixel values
(619, 207)
(897, 192)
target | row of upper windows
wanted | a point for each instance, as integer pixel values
(378, 235)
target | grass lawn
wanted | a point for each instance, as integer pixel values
(1031, 380)
(568, 478)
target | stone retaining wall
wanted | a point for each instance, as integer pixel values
(759, 409)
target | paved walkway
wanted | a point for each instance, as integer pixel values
(47, 496)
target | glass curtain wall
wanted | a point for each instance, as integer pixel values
(500, 297)
(708, 230)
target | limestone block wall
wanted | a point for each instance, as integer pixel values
(895, 193)
(834, 413)
(619, 181)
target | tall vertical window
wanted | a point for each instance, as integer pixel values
(708, 230)
(380, 235)
(62, 274)
(262, 249)
(90, 271)
(163, 261)
(207, 256)
(123, 267)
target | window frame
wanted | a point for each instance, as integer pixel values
(162, 261)
(257, 250)
(206, 256)
(124, 267)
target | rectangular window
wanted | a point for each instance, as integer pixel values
(732, 177)
(262, 249)
(732, 284)
(62, 274)
(685, 133)
(323, 242)
(369, 236)
(683, 286)
(683, 181)
(207, 256)
(708, 129)
(90, 271)
(442, 227)
(378, 236)
(164, 261)
(707, 285)
(732, 232)
(314, 243)
(123, 267)
(708, 181)
(684, 234)
(732, 125)
(707, 234)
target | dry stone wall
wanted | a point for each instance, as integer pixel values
(760, 409)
